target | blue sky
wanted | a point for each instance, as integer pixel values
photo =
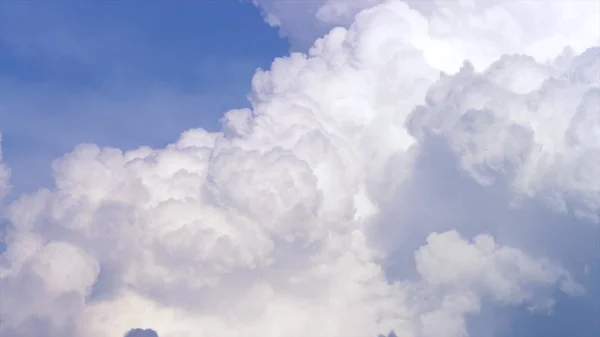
(121, 74)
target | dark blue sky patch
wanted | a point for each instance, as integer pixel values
(141, 333)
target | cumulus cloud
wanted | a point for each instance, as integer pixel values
(364, 194)
(480, 30)
(544, 142)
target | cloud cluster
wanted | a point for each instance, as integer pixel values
(480, 30)
(364, 193)
(537, 131)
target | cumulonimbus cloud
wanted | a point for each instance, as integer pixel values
(363, 193)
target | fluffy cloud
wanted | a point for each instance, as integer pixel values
(342, 204)
(480, 30)
(537, 131)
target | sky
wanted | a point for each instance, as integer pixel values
(120, 74)
(324, 168)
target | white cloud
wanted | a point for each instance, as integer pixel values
(546, 142)
(478, 30)
(289, 219)
(484, 267)
(463, 273)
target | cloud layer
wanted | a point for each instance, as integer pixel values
(363, 193)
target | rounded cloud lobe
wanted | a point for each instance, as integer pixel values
(480, 30)
(364, 193)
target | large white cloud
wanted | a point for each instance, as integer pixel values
(481, 30)
(538, 131)
(342, 205)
